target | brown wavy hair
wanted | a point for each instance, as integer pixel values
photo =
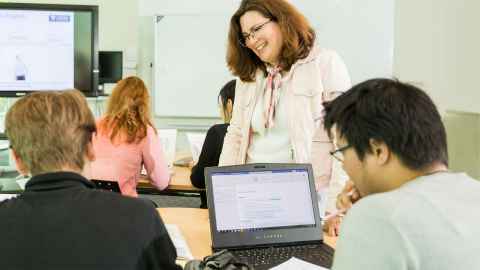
(128, 112)
(298, 36)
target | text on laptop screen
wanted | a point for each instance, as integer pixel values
(259, 200)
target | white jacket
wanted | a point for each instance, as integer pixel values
(306, 86)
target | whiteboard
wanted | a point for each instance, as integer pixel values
(190, 49)
(190, 67)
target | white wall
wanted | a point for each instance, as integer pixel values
(437, 45)
(175, 7)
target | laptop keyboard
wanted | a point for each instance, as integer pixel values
(319, 254)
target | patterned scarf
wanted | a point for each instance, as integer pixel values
(271, 95)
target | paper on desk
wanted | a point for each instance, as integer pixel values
(7, 196)
(297, 264)
(168, 139)
(183, 251)
(196, 139)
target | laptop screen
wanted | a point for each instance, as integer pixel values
(261, 200)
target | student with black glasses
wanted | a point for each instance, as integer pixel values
(411, 211)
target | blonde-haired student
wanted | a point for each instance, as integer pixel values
(61, 221)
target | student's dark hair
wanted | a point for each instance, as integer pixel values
(297, 32)
(227, 92)
(398, 114)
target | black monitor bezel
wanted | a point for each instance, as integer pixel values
(93, 91)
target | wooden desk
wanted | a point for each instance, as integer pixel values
(180, 182)
(195, 227)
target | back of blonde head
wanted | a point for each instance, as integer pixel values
(50, 131)
(128, 112)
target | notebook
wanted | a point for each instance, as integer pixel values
(266, 214)
(183, 250)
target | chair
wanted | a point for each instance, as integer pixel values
(106, 185)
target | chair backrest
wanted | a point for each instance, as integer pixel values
(463, 140)
(106, 185)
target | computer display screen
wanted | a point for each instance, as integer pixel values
(111, 66)
(261, 200)
(47, 47)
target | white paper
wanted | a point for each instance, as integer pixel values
(297, 264)
(168, 138)
(7, 196)
(196, 140)
(183, 251)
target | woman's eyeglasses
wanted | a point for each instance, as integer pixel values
(246, 36)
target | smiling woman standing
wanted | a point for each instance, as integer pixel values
(283, 78)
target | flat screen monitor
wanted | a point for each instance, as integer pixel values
(48, 47)
(111, 66)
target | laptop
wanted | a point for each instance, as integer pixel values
(266, 213)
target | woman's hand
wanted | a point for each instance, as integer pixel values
(347, 197)
(332, 225)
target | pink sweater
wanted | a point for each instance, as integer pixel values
(123, 162)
